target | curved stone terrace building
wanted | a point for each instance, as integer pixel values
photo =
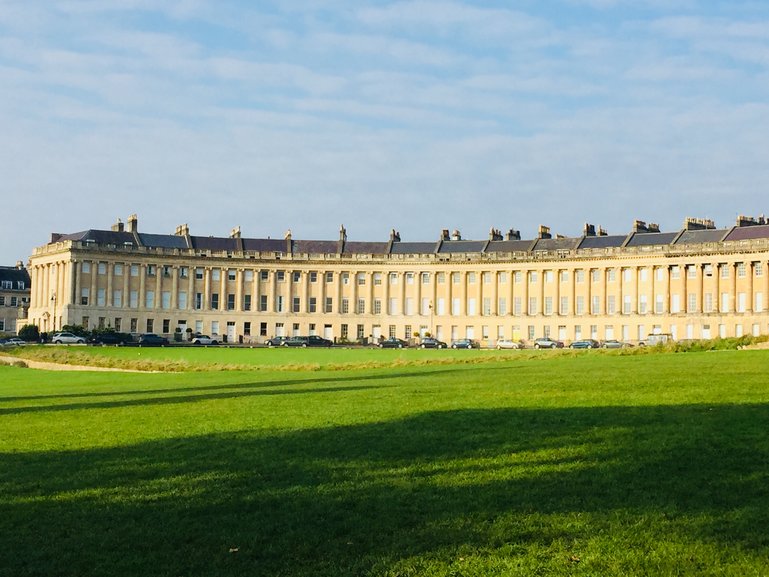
(698, 282)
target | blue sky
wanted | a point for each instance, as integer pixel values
(417, 116)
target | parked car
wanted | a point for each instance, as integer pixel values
(585, 344)
(614, 344)
(152, 340)
(547, 343)
(276, 342)
(15, 342)
(658, 339)
(111, 338)
(431, 343)
(465, 344)
(67, 339)
(509, 344)
(204, 340)
(311, 341)
(393, 343)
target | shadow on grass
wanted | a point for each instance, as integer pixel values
(271, 383)
(359, 500)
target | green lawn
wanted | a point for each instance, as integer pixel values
(548, 464)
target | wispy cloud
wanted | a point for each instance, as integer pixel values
(385, 114)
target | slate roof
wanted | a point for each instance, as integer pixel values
(599, 242)
(15, 275)
(101, 237)
(355, 247)
(702, 236)
(556, 243)
(651, 238)
(748, 232)
(444, 247)
(510, 245)
(218, 244)
(413, 247)
(264, 244)
(462, 246)
(315, 246)
(163, 240)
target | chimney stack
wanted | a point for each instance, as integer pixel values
(235, 232)
(455, 235)
(395, 236)
(133, 223)
(544, 232)
(495, 234)
(445, 234)
(588, 230)
(698, 224)
(118, 226)
(513, 234)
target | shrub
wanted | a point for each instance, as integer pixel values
(29, 333)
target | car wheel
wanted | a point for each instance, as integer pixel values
(536, 345)
(304, 345)
(423, 346)
(214, 343)
(400, 346)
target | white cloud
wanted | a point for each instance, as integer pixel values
(414, 115)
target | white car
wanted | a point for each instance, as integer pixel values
(509, 344)
(15, 341)
(67, 339)
(204, 340)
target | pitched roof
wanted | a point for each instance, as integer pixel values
(556, 244)
(748, 232)
(413, 247)
(356, 247)
(13, 274)
(702, 236)
(462, 246)
(606, 241)
(651, 238)
(163, 240)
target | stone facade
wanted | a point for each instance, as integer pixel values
(698, 282)
(14, 298)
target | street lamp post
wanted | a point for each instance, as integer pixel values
(53, 303)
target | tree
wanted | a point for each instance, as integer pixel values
(29, 333)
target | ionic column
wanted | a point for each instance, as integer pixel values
(126, 280)
(110, 270)
(76, 284)
(206, 288)
(174, 287)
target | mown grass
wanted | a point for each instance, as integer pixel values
(582, 464)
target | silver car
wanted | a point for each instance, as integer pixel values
(67, 339)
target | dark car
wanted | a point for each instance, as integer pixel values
(152, 340)
(465, 344)
(547, 343)
(393, 343)
(431, 343)
(276, 342)
(111, 338)
(584, 344)
(311, 341)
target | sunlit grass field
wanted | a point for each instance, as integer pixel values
(388, 463)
